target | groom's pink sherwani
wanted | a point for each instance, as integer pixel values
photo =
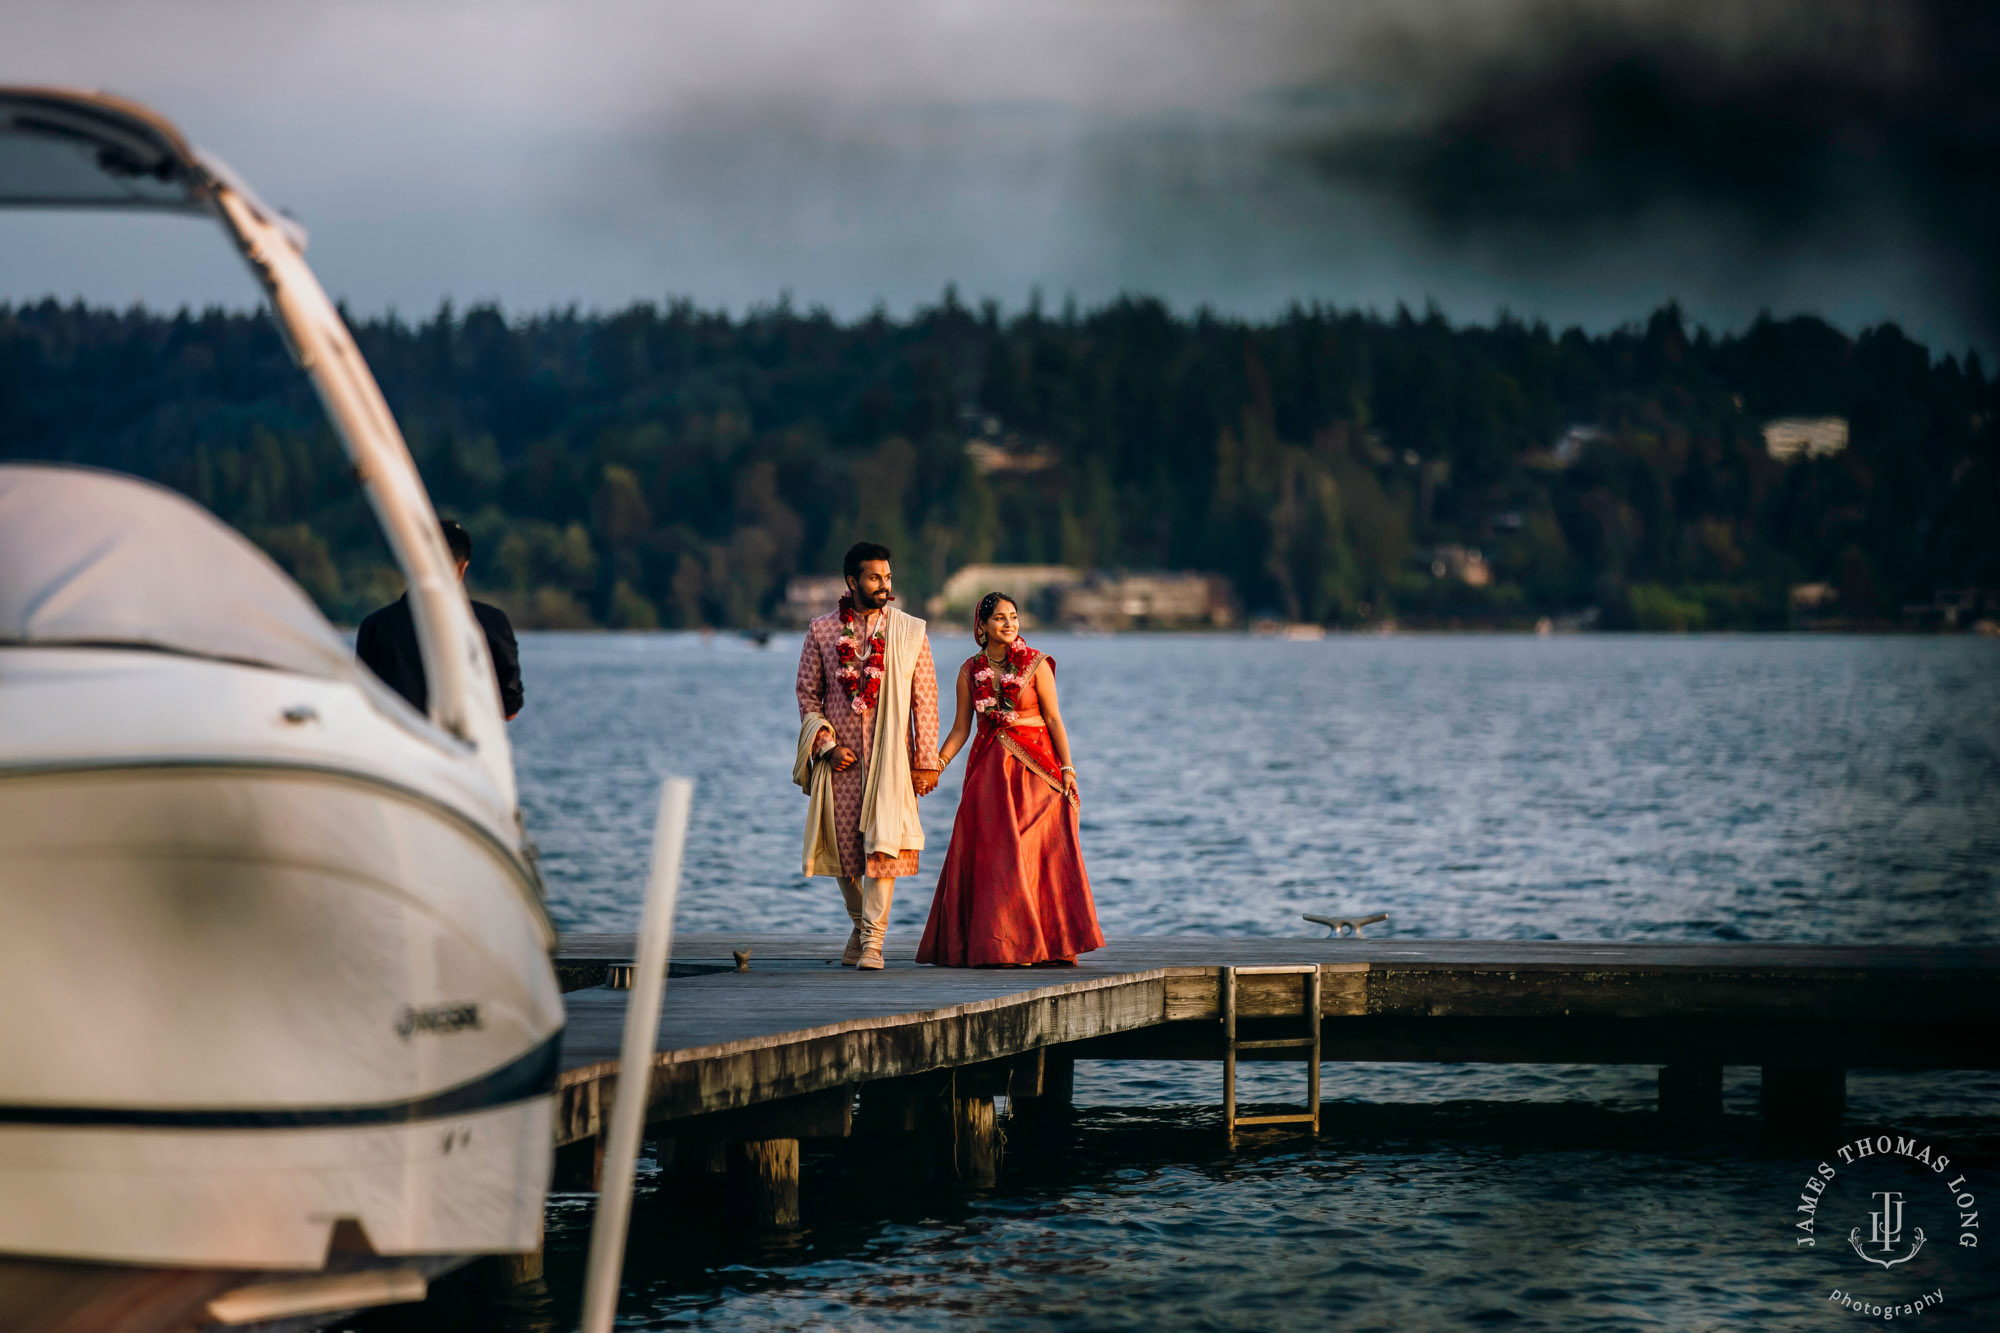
(820, 692)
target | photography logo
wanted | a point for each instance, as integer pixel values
(1879, 1203)
(1885, 1228)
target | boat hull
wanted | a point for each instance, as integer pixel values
(250, 1003)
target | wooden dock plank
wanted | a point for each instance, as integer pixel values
(795, 1023)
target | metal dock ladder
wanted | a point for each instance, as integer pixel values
(1230, 1046)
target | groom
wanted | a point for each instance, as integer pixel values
(868, 696)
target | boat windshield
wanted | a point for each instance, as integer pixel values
(62, 148)
(59, 152)
(102, 559)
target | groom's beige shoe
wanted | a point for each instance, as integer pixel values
(851, 955)
(876, 895)
(873, 933)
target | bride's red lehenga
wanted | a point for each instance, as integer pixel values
(1013, 889)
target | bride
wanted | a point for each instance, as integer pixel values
(1013, 891)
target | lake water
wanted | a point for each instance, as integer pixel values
(1593, 787)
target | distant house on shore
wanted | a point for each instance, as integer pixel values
(1566, 450)
(1099, 600)
(1166, 599)
(1028, 585)
(990, 457)
(1788, 439)
(810, 595)
(1954, 609)
(1461, 564)
(992, 448)
(1812, 604)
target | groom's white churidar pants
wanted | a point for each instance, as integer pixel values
(868, 906)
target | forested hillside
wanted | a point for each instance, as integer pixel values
(666, 465)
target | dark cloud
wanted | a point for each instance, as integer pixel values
(1580, 163)
(1791, 126)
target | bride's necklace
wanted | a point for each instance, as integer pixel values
(998, 695)
(1004, 674)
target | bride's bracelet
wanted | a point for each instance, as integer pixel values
(1067, 769)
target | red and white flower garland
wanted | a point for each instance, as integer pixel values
(997, 694)
(859, 672)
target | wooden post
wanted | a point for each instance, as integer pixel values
(576, 1167)
(893, 1107)
(1058, 1077)
(1690, 1096)
(1051, 1106)
(764, 1177)
(1809, 1099)
(498, 1275)
(975, 1141)
(518, 1270)
(699, 1157)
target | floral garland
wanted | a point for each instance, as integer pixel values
(860, 673)
(1000, 698)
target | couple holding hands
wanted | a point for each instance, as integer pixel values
(1013, 892)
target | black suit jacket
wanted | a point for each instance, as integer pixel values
(387, 645)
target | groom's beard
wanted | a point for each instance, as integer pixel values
(877, 601)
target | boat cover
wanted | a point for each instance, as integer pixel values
(90, 557)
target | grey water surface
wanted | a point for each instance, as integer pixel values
(1592, 787)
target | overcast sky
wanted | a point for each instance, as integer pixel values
(865, 151)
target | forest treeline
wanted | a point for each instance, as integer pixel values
(665, 465)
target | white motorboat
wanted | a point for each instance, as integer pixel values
(274, 963)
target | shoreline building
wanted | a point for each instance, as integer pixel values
(1789, 439)
(1462, 564)
(1157, 599)
(810, 595)
(1105, 601)
(1029, 585)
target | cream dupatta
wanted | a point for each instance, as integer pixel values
(822, 848)
(890, 824)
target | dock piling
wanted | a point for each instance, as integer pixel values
(520, 1270)
(975, 1141)
(1809, 1099)
(699, 1157)
(576, 1167)
(1048, 1104)
(1058, 1078)
(1690, 1097)
(764, 1181)
(905, 1105)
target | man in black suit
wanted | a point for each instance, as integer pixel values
(387, 643)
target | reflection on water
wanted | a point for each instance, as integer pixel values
(1772, 788)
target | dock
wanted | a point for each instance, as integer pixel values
(779, 1049)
